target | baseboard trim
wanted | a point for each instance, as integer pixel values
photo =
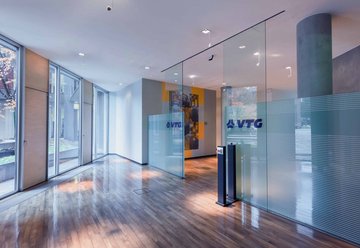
(206, 156)
(115, 154)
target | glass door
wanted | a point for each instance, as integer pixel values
(244, 110)
(64, 121)
(9, 91)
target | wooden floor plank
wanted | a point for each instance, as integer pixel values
(121, 204)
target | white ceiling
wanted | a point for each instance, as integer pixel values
(158, 33)
(238, 66)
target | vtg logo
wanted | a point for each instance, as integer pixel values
(240, 123)
(173, 124)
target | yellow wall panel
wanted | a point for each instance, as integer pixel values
(200, 92)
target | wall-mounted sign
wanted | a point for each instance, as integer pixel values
(257, 123)
(173, 124)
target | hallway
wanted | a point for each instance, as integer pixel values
(117, 203)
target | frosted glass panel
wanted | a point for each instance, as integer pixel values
(166, 142)
(244, 110)
(314, 162)
(245, 128)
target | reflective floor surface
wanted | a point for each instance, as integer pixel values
(117, 203)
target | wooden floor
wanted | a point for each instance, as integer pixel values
(120, 204)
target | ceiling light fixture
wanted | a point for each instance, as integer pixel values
(207, 32)
(290, 71)
(147, 67)
(120, 84)
(192, 79)
(258, 58)
(176, 73)
(81, 54)
(242, 47)
(275, 55)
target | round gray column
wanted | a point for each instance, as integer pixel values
(314, 56)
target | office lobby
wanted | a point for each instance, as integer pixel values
(179, 124)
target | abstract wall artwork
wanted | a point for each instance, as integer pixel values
(189, 104)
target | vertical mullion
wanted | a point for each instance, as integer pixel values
(19, 138)
(94, 123)
(80, 127)
(57, 120)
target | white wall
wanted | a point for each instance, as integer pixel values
(126, 123)
(152, 105)
(86, 123)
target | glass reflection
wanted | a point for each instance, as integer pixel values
(69, 122)
(8, 119)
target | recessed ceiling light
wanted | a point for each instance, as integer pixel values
(192, 76)
(256, 54)
(81, 54)
(120, 84)
(206, 31)
(242, 47)
(147, 67)
(275, 55)
(176, 73)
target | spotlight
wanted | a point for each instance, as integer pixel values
(206, 31)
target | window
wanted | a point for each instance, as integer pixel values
(9, 91)
(64, 121)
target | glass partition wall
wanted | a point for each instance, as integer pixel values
(100, 122)
(313, 137)
(165, 126)
(9, 117)
(64, 125)
(243, 94)
(292, 108)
